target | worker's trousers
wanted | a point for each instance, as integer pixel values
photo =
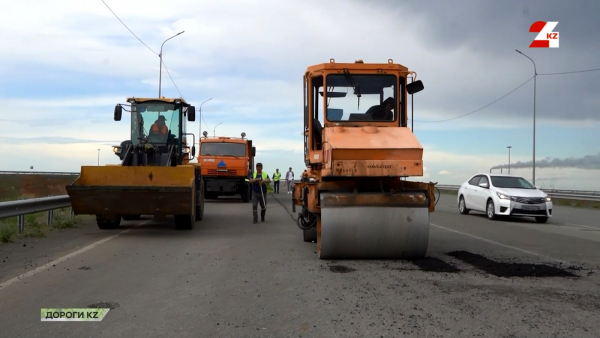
(276, 187)
(256, 199)
(290, 185)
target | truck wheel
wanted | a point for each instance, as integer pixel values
(105, 224)
(245, 195)
(131, 217)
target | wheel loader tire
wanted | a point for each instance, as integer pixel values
(200, 209)
(131, 217)
(107, 224)
(310, 235)
(184, 222)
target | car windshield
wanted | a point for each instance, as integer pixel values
(353, 97)
(223, 149)
(511, 182)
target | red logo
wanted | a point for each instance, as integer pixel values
(546, 38)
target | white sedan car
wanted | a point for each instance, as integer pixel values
(504, 195)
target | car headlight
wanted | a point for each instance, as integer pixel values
(548, 199)
(502, 196)
(186, 150)
(117, 150)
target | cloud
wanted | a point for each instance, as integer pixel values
(444, 172)
(586, 162)
(71, 62)
(52, 140)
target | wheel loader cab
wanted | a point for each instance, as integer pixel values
(158, 127)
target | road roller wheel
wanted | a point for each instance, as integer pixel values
(373, 226)
(105, 224)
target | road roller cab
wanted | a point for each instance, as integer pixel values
(356, 202)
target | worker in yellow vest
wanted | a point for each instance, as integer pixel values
(260, 188)
(276, 178)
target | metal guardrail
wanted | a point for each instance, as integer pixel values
(20, 208)
(581, 195)
(56, 173)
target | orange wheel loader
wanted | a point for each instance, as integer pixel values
(356, 201)
(155, 176)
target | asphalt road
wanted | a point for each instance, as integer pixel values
(231, 278)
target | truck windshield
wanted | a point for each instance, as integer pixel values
(353, 97)
(158, 122)
(223, 149)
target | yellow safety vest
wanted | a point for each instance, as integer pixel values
(264, 177)
(276, 176)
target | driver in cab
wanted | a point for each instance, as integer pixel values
(159, 128)
(383, 111)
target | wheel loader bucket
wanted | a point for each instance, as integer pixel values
(112, 191)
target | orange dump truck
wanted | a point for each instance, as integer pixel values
(226, 162)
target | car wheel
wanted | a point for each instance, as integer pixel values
(541, 219)
(490, 210)
(462, 207)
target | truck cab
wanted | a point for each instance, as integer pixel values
(226, 162)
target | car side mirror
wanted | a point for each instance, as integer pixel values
(193, 151)
(191, 113)
(538, 187)
(253, 151)
(414, 87)
(118, 112)
(483, 185)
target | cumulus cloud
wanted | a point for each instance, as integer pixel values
(71, 62)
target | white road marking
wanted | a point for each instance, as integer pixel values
(497, 243)
(581, 225)
(63, 258)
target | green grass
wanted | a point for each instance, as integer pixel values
(62, 219)
(36, 224)
(8, 232)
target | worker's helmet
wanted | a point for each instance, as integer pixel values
(162, 117)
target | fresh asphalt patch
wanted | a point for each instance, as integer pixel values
(509, 269)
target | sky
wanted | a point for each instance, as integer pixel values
(66, 63)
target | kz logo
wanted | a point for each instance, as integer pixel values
(546, 37)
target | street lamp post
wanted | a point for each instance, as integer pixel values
(160, 57)
(200, 113)
(534, 91)
(214, 135)
(509, 159)
(98, 157)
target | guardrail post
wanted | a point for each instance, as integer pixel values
(50, 215)
(20, 222)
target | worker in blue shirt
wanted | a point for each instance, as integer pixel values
(260, 188)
